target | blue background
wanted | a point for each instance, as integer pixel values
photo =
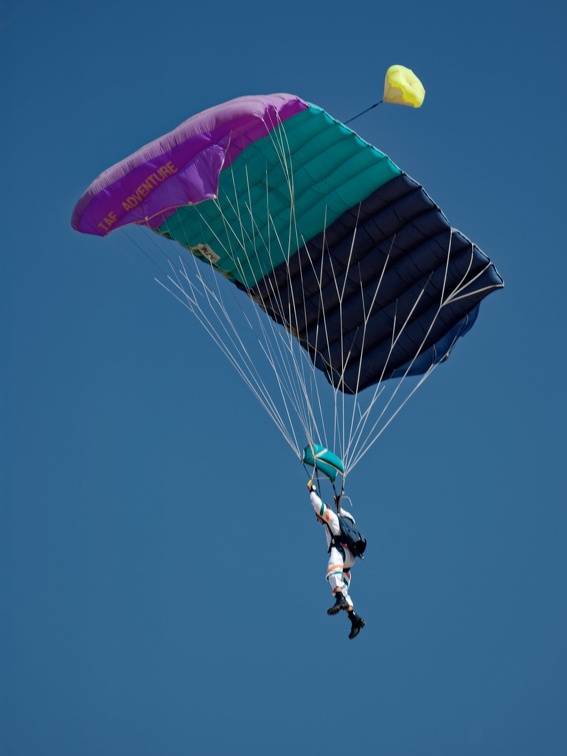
(122, 424)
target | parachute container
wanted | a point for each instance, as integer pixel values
(324, 460)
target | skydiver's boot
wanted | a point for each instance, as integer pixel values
(357, 624)
(340, 603)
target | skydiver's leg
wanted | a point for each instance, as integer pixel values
(335, 570)
(346, 582)
(356, 622)
(335, 578)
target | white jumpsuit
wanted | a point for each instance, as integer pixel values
(340, 559)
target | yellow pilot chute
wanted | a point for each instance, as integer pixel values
(402, 87)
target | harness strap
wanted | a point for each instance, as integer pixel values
(336, 542)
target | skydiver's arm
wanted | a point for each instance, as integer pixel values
(325, 513)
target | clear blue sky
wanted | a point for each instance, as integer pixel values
(122, 426)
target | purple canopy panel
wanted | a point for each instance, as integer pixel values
(181, 167)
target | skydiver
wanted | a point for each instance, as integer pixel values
(341, 559)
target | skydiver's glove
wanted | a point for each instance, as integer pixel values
(311, 486)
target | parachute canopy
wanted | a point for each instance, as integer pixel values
(402, 87)
(321, 229)
(362, 276)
